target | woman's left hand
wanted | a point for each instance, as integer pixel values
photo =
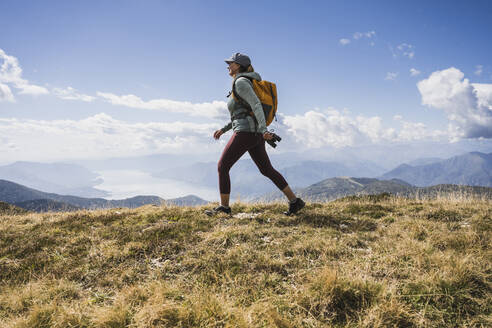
(267, 136)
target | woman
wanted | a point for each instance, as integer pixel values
(248, 135)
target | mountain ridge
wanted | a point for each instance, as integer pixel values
(473, 169)
(334, 188)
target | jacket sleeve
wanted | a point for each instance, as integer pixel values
(244, 88)
(227, 127)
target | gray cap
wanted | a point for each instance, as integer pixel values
(240, 59)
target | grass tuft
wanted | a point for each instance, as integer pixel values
(332, 299)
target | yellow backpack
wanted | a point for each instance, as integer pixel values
(267, 93)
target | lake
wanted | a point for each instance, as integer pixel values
(129, 183)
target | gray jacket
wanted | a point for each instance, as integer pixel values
(244, 88)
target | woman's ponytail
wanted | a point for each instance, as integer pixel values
(249, 69)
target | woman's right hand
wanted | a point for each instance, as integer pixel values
(217, 134)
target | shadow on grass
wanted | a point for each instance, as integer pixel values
(328, 220)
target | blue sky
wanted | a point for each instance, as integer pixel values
(343, 70)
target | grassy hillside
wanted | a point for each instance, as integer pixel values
(373, 261)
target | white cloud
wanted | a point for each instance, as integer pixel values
(414, 72)
(391, 76)
(484, 94)
(70, 93)
(397, 117)
(101, 136)
(316, 129)
(411, 131)
(215, 109)
(478, 70)
(468, 106)
(404, 49)
(344, 42)
(11, 73)
(338, 129)
(5, 93)
(359, 35)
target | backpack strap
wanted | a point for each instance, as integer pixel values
(236, 95)
(241, 100)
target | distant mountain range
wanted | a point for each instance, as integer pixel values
(36, 200)
(472, 169)
(60, 178)
(325, 190)
(314, 180)
(247, 181)
(333, 188)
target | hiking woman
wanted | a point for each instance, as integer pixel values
(248, 135)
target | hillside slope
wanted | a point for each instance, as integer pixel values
(46, 205)
(9, 209)
(372, 261)
(333, 188)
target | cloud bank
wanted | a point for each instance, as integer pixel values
(315, 129)
(468, 106)
(100, 136)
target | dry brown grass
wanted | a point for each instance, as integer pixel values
(376, 261)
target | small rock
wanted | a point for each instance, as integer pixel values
(156, 263)
(243, 215)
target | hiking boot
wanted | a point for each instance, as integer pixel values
(218, 209)
(295, 206)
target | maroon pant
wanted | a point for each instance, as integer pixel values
(239, 143)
